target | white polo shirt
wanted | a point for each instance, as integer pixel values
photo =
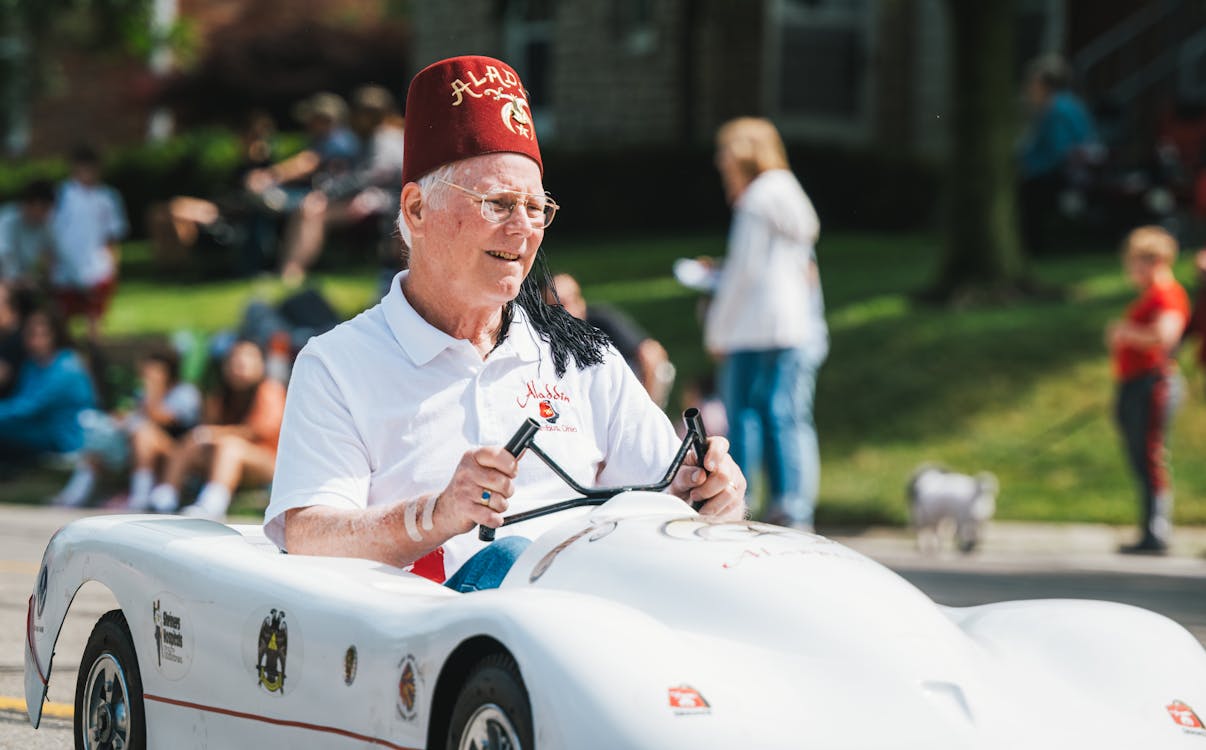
(381, 409)
(86, 219)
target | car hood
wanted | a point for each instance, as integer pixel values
(793, 637)
(750, 581)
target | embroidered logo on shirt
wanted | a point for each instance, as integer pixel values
(550, 401)
(541, 392)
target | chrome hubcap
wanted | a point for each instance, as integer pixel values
(489, 729)
(106, 706)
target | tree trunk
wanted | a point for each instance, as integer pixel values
(981, 248)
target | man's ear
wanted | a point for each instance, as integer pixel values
(413, 211)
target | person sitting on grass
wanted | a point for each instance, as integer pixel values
(166, 409)
(369, 189)
(26, 241)
(53, 388)
(1149, 386)
(237, 439)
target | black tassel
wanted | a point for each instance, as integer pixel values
(566, 335)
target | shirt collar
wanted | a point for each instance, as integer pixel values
(423, 342)
(521, 337)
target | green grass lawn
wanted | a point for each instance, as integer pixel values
(1024, 391)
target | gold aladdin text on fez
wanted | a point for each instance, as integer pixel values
(505, 79)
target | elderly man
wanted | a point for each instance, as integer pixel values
(391, 447)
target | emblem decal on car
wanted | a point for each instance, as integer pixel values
(40, 594)
(173, 637)
(713, 530)
(272, 652)
(685, 699)
(408, 688)
(546, 562)
(273, 646)
(1185, 717)
(349, 666)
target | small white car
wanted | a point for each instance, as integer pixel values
(635, 624)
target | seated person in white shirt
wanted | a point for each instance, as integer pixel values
(25, 238)
(392, 443)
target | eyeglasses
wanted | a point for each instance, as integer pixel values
(498, 205)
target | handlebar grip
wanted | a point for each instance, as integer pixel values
(693, 421)
(522, 437)
(516, 445)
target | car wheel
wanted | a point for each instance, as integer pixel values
(492, 711)
(108, 692)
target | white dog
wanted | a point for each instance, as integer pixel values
(940, 500)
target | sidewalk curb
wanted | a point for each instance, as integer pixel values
(1035, 547)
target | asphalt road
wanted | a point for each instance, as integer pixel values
(1176, 588)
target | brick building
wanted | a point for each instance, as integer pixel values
(862, 73)
(859, 73)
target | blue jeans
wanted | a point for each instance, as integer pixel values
(488, 568)
(768, 395)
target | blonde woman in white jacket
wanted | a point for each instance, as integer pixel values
(766, 324)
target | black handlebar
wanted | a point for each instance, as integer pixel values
(524, 437)
(519, 441)
(693, 421)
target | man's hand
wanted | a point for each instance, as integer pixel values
(478, 492)
(720, 484)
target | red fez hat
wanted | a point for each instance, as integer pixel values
(462, 107)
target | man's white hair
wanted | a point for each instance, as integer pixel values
(434, 193)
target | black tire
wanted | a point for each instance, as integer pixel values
(494, 684)
(110, 650)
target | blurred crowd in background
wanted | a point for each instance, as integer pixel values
(60, 250)
(203, 416)
(204, 413)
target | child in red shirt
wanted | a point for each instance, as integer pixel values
(1149, 387)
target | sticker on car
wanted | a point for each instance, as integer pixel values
(173, 631)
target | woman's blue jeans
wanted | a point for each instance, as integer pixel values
(488, 568)
(768, 396)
